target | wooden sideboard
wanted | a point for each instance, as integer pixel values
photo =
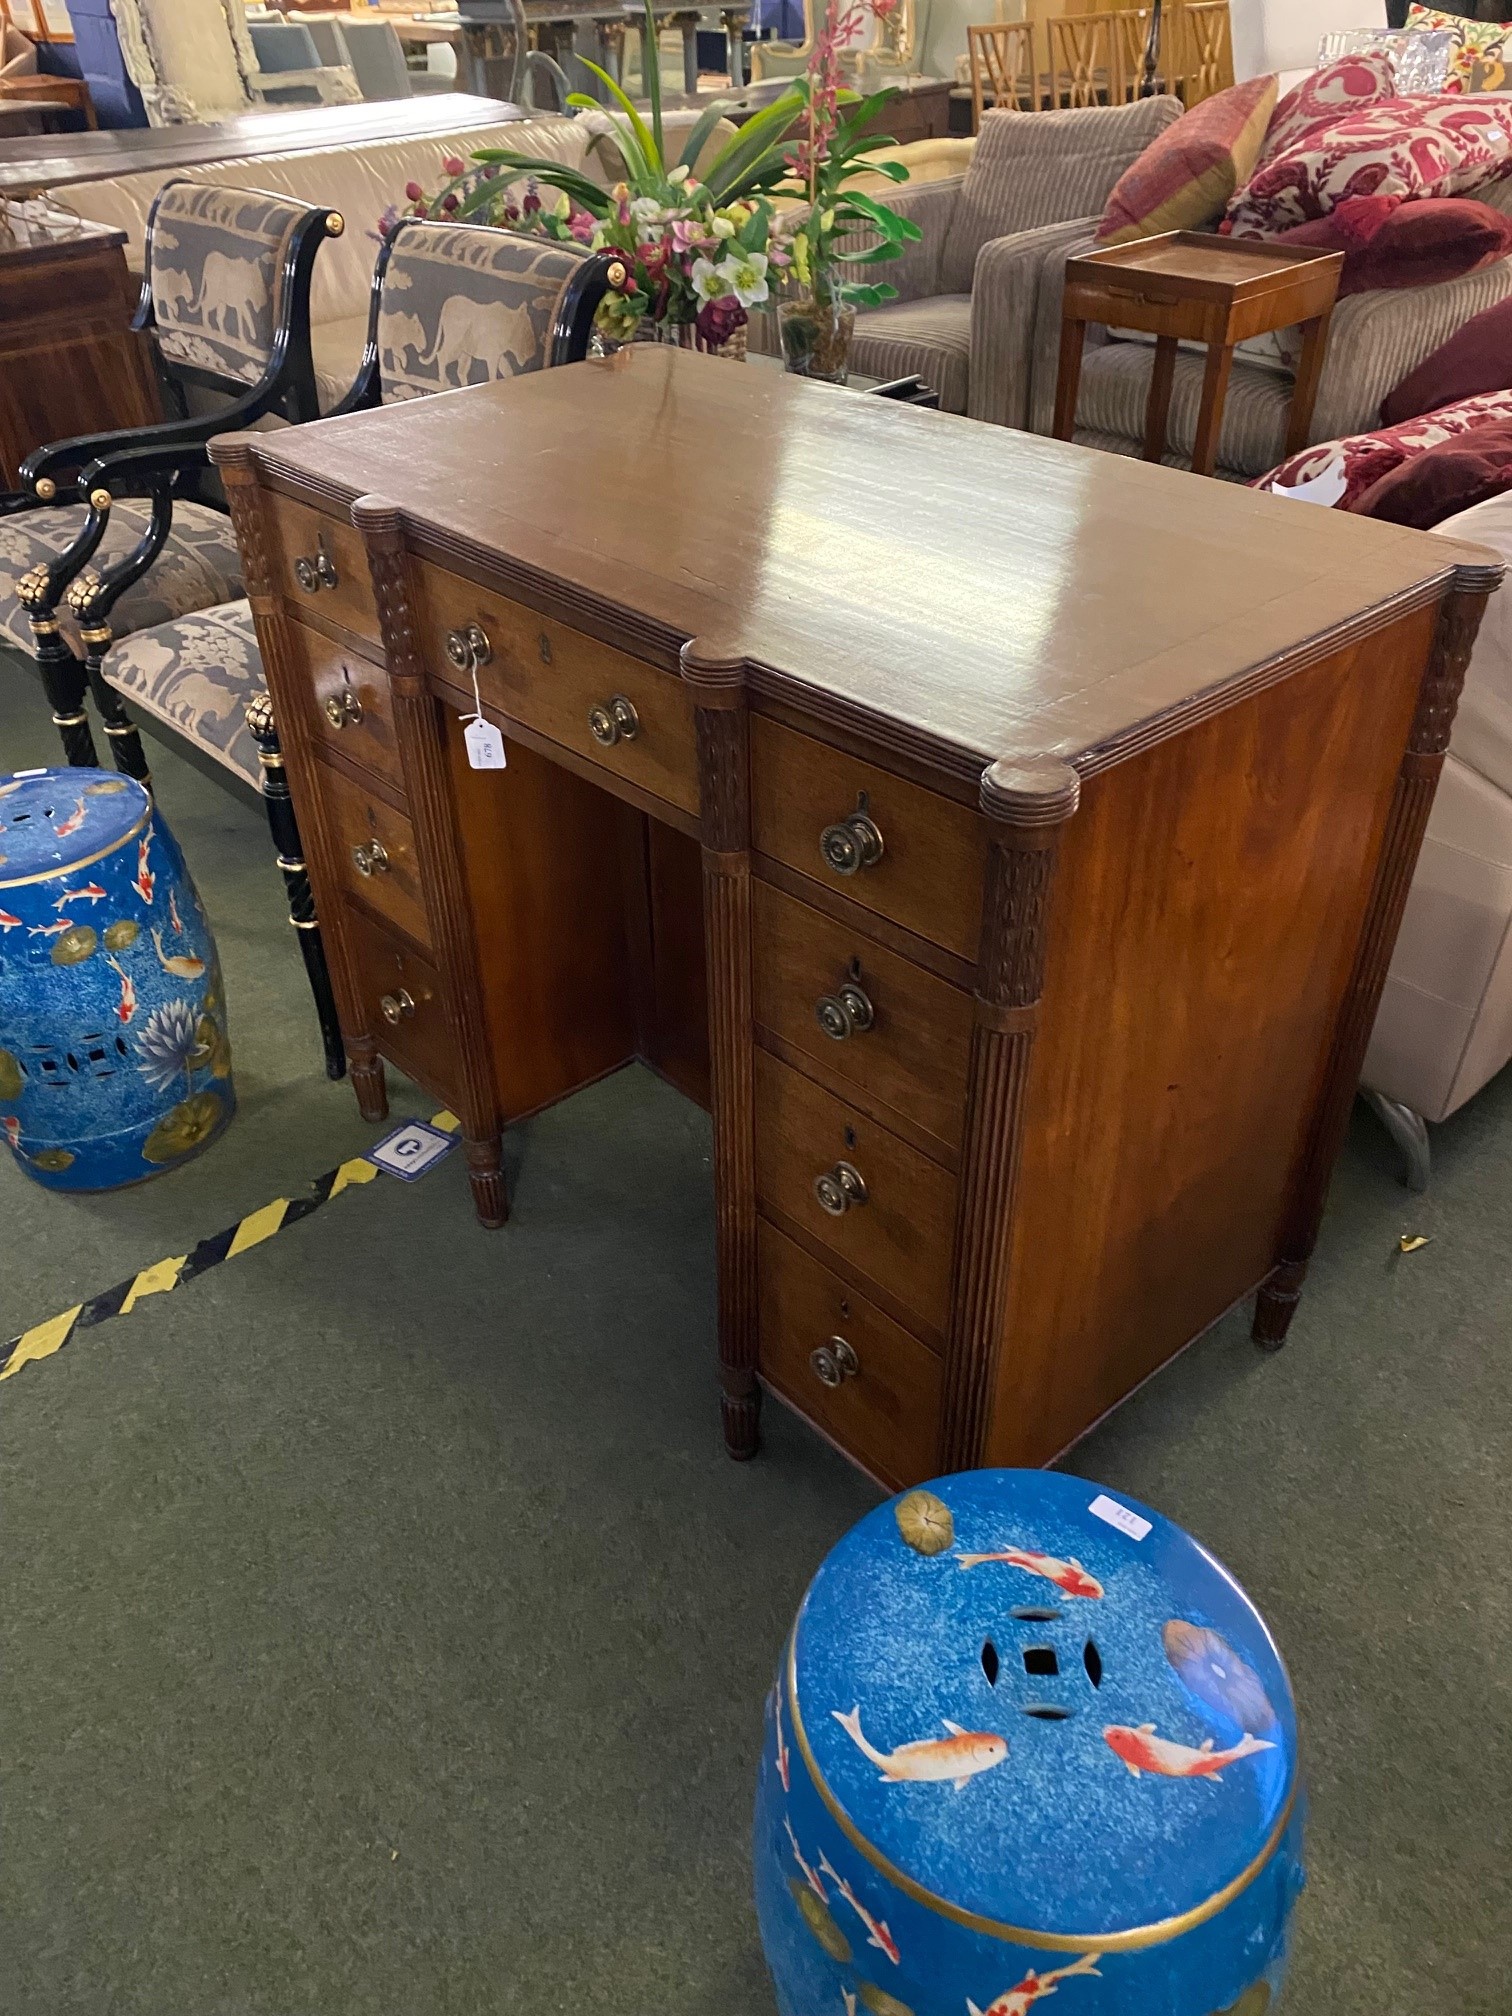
(1035, 825)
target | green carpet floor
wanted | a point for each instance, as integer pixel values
(383, 1632)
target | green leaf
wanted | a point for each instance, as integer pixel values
(759, 136)
(886, 220)
(652, 168)
(870, 296)
(698, 138)
(587, 195)
(651, 73)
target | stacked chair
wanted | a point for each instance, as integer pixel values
(195, 667)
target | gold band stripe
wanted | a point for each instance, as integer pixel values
(1134, 1940)
(73, 867)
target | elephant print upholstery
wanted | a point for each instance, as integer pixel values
(216, 259)
(462, 304)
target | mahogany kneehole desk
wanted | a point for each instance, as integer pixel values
(1035, 825)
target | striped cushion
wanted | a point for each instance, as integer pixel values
(932, 338)
(1185, 177)
(1115, 386)
(1032, 171)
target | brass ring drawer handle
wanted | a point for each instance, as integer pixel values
(396, 1007)
(370, 857)
(343, 709)
(839, 1188)
(852, 844)
(834, 1362)
(317, 570)
(847, 1012)
(468, 649)
(615, 722)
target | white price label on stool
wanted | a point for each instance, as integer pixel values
(1103, 1507)
(485, 745)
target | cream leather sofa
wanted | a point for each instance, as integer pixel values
(361, 182)
(1445, 1022)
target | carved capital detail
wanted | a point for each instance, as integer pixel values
(723, 778)
(1015, 916)
(1453, 640)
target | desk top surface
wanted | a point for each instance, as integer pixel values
(52, 161)
(958, 592)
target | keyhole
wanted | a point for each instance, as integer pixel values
(850, 1137)
(990, 1663)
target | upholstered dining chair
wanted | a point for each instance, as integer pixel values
(451, 305)
(193, 61)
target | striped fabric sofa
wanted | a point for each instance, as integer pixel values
(956, 286)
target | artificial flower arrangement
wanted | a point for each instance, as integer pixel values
(700, 252)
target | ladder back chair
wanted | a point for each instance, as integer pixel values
(1003, 70)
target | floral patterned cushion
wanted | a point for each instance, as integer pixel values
(216, 257)
(463, 305)
(197, 675)
(1340, 472)
(1395, 147)
(198, 567)
(1482, 55)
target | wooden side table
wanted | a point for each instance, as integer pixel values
(1206, 289)
(70, 362)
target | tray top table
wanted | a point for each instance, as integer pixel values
(1198, 287)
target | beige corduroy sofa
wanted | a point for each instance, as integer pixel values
(1445, 1023)
(360, 182)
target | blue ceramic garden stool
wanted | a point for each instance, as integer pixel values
(114, 1061)
(1027, 1740)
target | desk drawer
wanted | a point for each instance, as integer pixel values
(353, 709)
(876, 1203)
(319, 564)
(885, 1409)
(565, 686)
(928, 876)
(913, 1053)
(376, 848)
(401, 1002)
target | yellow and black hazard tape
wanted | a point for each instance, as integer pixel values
(44, 1340)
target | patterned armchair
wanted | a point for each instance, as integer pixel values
(451, 305)
(225, 301)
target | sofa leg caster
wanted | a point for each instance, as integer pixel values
(1409, 1134)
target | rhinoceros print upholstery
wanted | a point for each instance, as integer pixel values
(462, 305)
(217, 273)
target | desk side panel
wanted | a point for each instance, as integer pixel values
(1211, 897)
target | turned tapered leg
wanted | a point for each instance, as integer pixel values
(123, 737)
(1459, 619)
(63, 681)
(285, 830)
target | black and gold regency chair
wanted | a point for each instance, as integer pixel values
(452, 305)
(225, 304)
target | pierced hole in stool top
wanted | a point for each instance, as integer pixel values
(1092, 1660)
(1047, 1711)
(120, 1043)
(1041, 1660)
(1029, 1613)
(990, 1662)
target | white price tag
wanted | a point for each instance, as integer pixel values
(1103, 1507)
(485, 745)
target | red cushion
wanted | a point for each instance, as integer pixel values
(1451, 477)
(1477, 358)
(1346, 469)
(1185, 178)
(1389, 242)
(1323, 95)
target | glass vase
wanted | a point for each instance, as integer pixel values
(816, 333)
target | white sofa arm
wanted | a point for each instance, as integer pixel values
(333, 84)
(1377, 339)
(1010, 288)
